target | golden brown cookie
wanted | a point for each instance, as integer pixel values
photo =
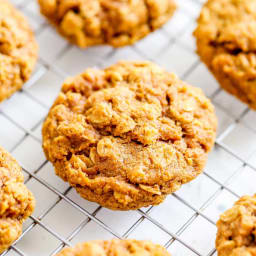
(113, 22)
(18, 50)
(237, 229)
(115, 248)
(127, 136)
(16, 201)
(226, 43)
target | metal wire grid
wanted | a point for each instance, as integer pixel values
(144, 214)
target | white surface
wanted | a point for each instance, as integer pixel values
(20, 132)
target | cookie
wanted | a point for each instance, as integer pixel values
(112, 22)
(18, 50)
(16, 201)
(115, 247)
(226, 43)
(237, 229)
(127, 136)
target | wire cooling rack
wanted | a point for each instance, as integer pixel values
(185, 222)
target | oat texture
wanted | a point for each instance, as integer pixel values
(237, 229)
(127, 136)
(115, 248)
(114, 22)
(18, 50)
(16, 201)
(226, 43)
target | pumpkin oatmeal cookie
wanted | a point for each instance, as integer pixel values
(16, 201)
(237, 229)
(127, 136)
(226, 43)
(112, 22)
(115, 247)
(18, 50)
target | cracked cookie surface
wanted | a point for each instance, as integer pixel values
(16, 201)
(127, 136)
(237, 229)
(226, 43)
(115, 247)
(18, 50)
(112, 22)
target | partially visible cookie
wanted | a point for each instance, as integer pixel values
(112, 22)
(16, 201)
(18, 50)
(237, 229)
(226, 43)
(127, 136)
(115, 248)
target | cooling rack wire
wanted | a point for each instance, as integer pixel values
(185, 222)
